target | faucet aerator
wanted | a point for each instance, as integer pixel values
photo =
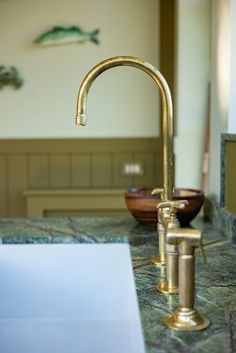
(81, 119)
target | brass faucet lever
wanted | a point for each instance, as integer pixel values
(158, 191)
(173, 205)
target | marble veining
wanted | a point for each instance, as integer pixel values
(215, 281)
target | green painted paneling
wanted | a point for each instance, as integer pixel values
(39, 171)
(17, 181)
(3, 186)
(60, 171)
(147, 178)
(158, 170)
(230, 176)
(167, 40)
(167, 43)
(73, 164)
(101, 170)
(79, 146)
(120, 180)
(81, 171)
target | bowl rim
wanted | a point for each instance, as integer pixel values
(134, 192)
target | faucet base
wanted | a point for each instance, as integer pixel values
(187, 319)
(157, 261)
(165, 289)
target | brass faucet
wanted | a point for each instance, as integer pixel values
(167, 115)
(167, 126)
(167, 220)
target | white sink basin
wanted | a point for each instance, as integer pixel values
(68, 298)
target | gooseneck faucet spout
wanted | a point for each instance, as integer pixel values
(167, 111)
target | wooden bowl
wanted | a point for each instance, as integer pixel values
(143, 205)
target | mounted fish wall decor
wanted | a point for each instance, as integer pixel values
(66, 35)
(10, 76)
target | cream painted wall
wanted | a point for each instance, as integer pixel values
(220, 66)
(200, 59)
(123, 102)
(193, 74)
(232, 71)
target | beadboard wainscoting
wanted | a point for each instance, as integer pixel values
(43, 165)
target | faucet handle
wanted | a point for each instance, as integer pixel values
(157, 191)
(191, 237)
(178, 204)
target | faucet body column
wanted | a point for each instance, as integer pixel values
(162, 241)
(186, 277)
(171, 252)
(186, 317)
(168, 218)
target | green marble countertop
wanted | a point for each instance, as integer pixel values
(215, 281)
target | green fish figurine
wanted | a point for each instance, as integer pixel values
(66, 35)
(10, 76)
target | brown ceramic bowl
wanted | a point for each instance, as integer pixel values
(143, 205)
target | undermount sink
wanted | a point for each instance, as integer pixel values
(68, 298)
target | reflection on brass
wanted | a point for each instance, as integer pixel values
(170, 301)
(160, 261)
(167, 117)
(186, 317)
(156, 260)
(164, 288)
(171, 284)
